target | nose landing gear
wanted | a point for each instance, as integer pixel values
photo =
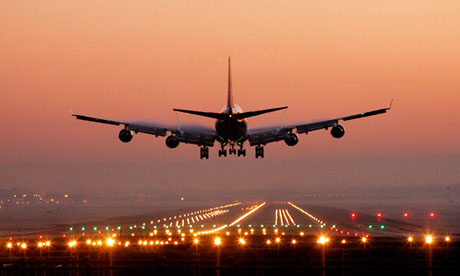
(232, 150)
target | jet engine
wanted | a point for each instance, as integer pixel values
(291, 140)
(337, 131)
(171, 142)
(125, 135)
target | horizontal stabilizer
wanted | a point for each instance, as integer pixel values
(256, 113)
(218, 116)
(223, 116)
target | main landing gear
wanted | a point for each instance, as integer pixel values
(222, 151)
(259, 151)
(204, 152)
(232, 151)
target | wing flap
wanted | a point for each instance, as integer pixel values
(267, 136)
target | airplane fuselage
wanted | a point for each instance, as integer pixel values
(231, 130)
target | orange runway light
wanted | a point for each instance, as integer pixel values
(428, 239)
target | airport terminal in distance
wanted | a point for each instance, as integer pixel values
(241, 238)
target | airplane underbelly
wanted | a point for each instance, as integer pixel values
(231, 130)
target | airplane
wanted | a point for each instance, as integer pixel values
(231, 128)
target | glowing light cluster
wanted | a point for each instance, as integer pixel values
(308, 214)
(284, 216)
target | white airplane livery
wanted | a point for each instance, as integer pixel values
(230, 130)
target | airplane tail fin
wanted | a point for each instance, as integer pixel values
(229, 91)
(223, 116)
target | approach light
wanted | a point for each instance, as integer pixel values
(217, 241)
(447, 239)
(110, 242)
(9, 245)
(363, 239)
(23, 245)
(410, 239)
(242, 241)
(428, 239)
(323, 240)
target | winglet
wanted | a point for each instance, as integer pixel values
(391, 103)
(229, 92)
(71, 111)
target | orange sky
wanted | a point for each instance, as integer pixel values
(140, 59)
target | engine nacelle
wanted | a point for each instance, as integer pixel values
(125, 135)
(171, 142)
(291, 140)
(337, 131)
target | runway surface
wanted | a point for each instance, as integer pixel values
(272, 217)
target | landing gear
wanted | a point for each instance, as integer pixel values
(242, 152)
(222, 151)
(259, 151)
(232, 150)
(204, 152)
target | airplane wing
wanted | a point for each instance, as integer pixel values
(189, 134)
(265, 135)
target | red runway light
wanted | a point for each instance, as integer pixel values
(432, 214)
(353, 215)
(379, 215)
(405, 215)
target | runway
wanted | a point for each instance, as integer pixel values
(267, 217)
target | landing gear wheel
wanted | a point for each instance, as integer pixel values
(204, 152)
(241, 152)
(222, 152)
(259, 151)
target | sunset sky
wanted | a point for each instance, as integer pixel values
(139, 59)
